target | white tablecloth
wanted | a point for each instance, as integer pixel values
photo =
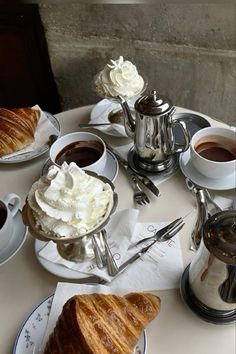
(24, 282)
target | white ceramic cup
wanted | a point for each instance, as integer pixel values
(65, 140)
(6, 217)
(222, 141)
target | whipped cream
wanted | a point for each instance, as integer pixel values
(68, 202)
(119, 77)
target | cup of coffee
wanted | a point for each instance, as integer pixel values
(213, 151)
(87, 150)
(9, 205)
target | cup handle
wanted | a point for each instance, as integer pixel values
(14, 199)
(187, 137)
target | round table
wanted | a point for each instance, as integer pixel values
(24, 282)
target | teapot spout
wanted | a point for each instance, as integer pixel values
(129, 121)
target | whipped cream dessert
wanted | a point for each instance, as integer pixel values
(119, 77)
(68, 202)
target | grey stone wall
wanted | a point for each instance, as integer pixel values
(186, 51)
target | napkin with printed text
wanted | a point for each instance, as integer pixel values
(160, 268)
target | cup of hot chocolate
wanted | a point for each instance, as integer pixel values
(9, 205)
(213, 152)
(86, 149)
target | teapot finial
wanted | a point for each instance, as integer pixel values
(154, 93)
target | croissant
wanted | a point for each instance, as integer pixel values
(17, 128)
(102, 324)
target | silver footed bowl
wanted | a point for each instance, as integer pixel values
(101, 93)
(29, 220)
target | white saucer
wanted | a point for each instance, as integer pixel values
(110, 171)
(190, 171)
(57, 269)
(99, 114)
(16, 241)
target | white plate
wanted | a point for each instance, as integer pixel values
(110, 171)
(31, 333)
(40, 150)
(16, 241)
(190, 171)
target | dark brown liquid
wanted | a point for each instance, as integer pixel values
(217, 149)
(3, 215)
(83, 153)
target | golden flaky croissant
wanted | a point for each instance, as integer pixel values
(17, 128)
(102, 324)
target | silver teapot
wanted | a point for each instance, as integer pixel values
(152, 131)
(208, 284)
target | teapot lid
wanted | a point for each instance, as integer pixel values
(153, 104)
(219, 233)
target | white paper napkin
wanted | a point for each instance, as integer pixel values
(44, 129)
(64, 292)
(160, 268)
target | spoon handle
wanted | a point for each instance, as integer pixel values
(111, 263)
(87, 125)
(97, 253)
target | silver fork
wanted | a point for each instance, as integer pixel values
(140, 196)
(168, 235)
(163, 234)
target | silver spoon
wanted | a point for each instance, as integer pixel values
(110, 262)
(87, 125)
(114, 118)
(97, 252)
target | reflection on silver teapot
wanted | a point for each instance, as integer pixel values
(208, 284)
(206, 207)
(152, 131)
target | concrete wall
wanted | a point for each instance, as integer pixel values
(187, 52)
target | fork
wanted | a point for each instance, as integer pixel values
(168, 235)
(140, 196)
(163, 234)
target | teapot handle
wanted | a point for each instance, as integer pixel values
(187, 137)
